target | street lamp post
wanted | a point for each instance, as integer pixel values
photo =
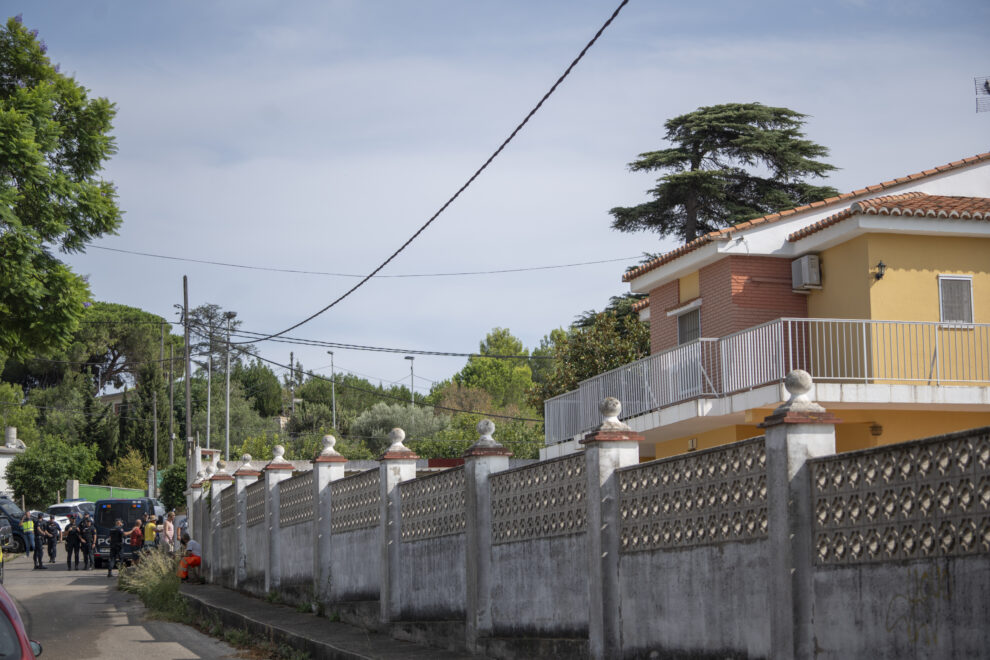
(412, 384)
(333, 391)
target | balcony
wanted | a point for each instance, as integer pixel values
(831, 350)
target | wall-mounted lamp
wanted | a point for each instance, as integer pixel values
(876, 430)
(880, 270)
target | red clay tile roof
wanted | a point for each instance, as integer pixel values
(640, 305)
(912, 204)
(723, 234)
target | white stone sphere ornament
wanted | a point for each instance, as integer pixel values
(210, 470)
(611, 408)
(246, 462)
(798, 384)
(201, 475)
(486, 428)
(221, 467)
(329, 442)
(397, 435)
(278, 452)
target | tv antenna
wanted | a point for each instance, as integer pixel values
(982, 85)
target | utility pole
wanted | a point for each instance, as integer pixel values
(412, 384)
(209, 388)
(154, 415)
(226, 425)
(292, 383)
(171, 404)
(333, 390)
(190, 463)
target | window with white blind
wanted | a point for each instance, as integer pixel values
(955, 297)
(689, 326)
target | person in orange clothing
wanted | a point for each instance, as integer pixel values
(192, 560)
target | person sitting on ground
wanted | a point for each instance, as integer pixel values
(192, 559)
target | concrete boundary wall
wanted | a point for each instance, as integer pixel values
(769, 547)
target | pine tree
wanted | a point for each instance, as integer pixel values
(729, 163)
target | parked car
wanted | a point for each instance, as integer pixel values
(11, 514)
(14, 642)
(68, 510)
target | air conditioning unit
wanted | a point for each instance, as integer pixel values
(806, 273)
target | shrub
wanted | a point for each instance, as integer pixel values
(154, 581)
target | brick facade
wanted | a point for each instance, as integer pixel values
(737, 292)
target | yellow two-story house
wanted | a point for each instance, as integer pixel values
(882, 294)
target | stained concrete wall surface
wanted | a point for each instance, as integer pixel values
(431, 583)
(540, 587)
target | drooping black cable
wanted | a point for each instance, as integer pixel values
(464, 187)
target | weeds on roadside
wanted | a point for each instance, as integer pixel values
(154, 581)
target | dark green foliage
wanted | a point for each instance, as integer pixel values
(55, 141)
(173, 485)
(608, 342)
(261, 387)
(42, 470)
(729, 163)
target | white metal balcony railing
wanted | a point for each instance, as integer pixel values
(831, 350)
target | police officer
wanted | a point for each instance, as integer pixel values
(73, 540)
(54, 536)
(27, 526)
(116, 544)
(40, 539)
(87, 532)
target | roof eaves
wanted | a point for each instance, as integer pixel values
(774, 217)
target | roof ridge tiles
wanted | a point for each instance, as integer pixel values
(699, 241)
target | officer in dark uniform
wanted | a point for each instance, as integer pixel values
(116, 544)
(40, 539)
(54, 536)
(73, 540)
(87, 532)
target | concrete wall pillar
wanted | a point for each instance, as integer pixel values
(797, 431)
(613, 445)
(328, 466)
(482, 459)
(277, 470)
(193, 495)
(219, 482)
(398, 464)
(244, 477)
(203, 513)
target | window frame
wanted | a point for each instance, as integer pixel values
(941, 302)
(693, 310)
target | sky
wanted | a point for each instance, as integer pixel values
(320, 135)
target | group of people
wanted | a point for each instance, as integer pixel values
(80, 538)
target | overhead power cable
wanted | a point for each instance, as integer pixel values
(271, 269)
(385, 349)
(389, 396)
(464, 187)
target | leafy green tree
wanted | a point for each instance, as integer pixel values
(609, 342)
(100, 429)
(506, 380)
(173, 485)
(130, 471)
(14, 412)
(61, 407)
(210, 322)
(54, 140)
(244, 419)
(728, 163)
(42, 470)
(261, 387)
(373, 425)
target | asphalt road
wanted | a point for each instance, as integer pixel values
(80, 615)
